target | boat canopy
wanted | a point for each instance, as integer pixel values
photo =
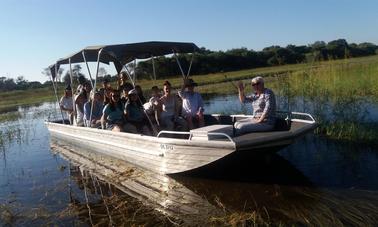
(121, 54)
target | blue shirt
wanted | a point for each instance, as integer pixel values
(134, 112)
(96, 113)
(113, 115)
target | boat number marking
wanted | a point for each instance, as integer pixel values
(166, 147)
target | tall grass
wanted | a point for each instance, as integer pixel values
(338, 95)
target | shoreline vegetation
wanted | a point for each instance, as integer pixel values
(336, 92)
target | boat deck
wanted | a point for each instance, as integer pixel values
(258, 138)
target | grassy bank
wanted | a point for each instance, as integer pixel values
(336, 92)
(10, 101)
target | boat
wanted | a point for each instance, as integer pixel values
(171, 152)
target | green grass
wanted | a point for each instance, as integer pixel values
(9, 101)
(334, 91)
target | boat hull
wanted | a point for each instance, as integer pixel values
(162, 155)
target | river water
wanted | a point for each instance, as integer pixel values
(316, 181)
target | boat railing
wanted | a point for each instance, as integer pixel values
(311, 121)
(191, 134)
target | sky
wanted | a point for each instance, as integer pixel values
(35, 33)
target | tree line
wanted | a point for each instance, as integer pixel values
(206, 61)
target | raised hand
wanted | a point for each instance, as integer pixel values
(241, 85)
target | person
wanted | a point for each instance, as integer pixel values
(122, 79)
(112, 115)
(81, 80)
(87, 87)
(135, 117)
(264, 108)
(80, 99)
(142, 99)
(170, 108)
(105, 91)
(93, 121)
(125, 92)
(153, 106)
(66, 103)
(192, 104)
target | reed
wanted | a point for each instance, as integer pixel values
(339, 96)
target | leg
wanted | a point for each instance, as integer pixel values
(189, 121)
(250, 125)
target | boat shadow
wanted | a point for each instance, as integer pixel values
(261, 168)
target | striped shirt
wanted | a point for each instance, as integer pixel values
(263, 103)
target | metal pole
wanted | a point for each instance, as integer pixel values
(153, 68)
(135, 65)
(95, 84)
(190, 66)
(55, 86)
(73, 97)
(178, 62)
(129, 75)
(89, 71)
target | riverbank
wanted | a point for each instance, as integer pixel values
(341, 94)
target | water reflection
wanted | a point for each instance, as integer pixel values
(263, 196)
(316, 181)
(108, 185)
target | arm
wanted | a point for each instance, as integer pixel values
(200, 105)
(103, 120)
(87, 111)
(241, 91)
(104, 117)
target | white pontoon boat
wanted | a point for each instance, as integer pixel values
(171, 152)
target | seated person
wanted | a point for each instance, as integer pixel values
(122, 79)
(112, 115)
(135, 117)
(140, 94)
(192, 104)
(105, 91)
(80, 99)
(170, 108)
(87, 87)
(81, 80)
(66, 103)
(264, 108)
(153, 107)
(125, 92)
(93, 121)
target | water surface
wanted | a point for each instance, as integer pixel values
(316, 180)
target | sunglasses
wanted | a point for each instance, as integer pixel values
(255, 84)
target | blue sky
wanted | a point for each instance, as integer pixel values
(35, 33)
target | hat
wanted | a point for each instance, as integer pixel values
(133, 92)
(190, 83)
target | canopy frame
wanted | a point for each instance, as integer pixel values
(122, 54)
